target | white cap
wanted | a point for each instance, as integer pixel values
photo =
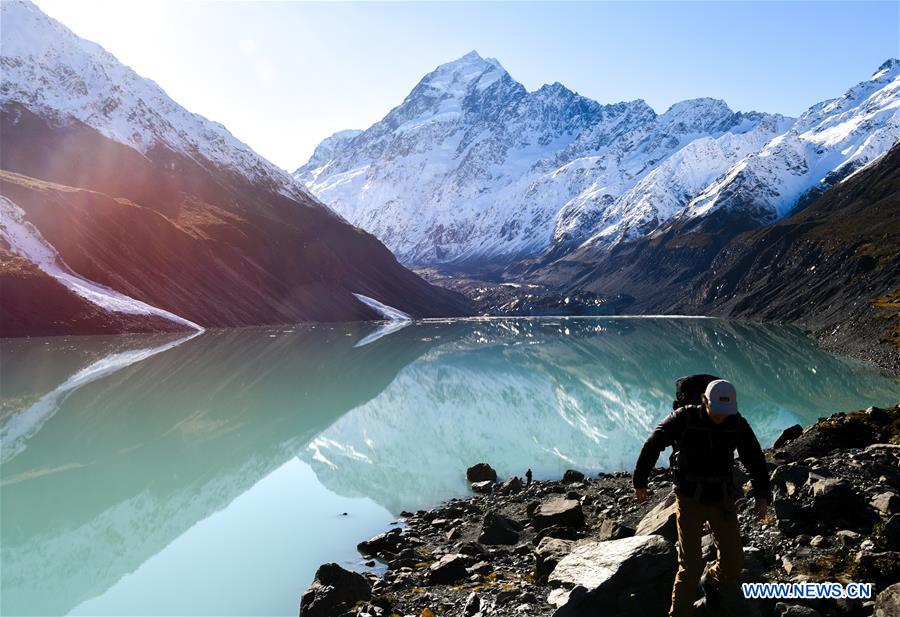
(722, 397)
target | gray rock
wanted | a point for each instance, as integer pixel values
(449, 568)
(473, 605)
(547, 554)
(795, 610)
(787, 564)
(497, 529)
(833, 498)
(611, 529)
(558, 512)
(511, 486)
(788, 435)
(846, 537)
(818, 541)
(607, 577)
(660, 520)
(389, 541)
(333, 591)
(790, 476)
(886, 503)
(887, 604)
(473, 549)
(480, 473)
(485, 486)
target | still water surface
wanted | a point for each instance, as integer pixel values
(211, 474)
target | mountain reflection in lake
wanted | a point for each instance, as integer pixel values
(209, 474)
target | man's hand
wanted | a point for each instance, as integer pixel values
(760, 506)
(640, 494)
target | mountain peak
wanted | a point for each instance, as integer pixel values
(453, 81)
(889, 68)
(696, 115)
(468, 68)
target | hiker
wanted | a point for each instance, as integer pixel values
(703, 439)
(528, 477)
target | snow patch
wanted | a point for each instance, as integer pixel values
(25, 240)
(388, 312)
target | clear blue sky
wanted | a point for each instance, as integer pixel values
(284, 75)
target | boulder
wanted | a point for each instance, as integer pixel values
(473, 549)
(449, 568)
(547, 554)
(333, 591)
(631, 577)
(790, 476)
(511, 486)
(889, 533)
(834, 498)
(887, 604)
(847, 538)
(497, 529)
(660, 520)
(886, 503)
(558, 512)
(389, 541)
(788, 435)
(480, 473)
(572, 475)
(611, 529)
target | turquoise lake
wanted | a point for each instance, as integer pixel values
(212, 473)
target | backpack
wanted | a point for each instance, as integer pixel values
(687, 392)
(688, 389)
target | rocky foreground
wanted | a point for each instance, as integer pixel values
(583, 546)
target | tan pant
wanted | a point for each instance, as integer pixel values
(726, 531)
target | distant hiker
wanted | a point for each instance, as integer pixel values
(528, 477)
(703, 438)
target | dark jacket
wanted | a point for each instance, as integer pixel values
(703, 454)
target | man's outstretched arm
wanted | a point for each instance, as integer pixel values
(665, 434)
(755, 461)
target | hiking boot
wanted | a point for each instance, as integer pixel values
(711, 594)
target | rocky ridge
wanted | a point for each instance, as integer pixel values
(572, 546)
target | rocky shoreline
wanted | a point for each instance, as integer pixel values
(582, 545)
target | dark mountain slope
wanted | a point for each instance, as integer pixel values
(192, 238)
(833, 266)
(27, 292)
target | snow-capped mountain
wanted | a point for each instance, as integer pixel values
(829, 141)
(472, 166)
(120, 210)
(53, 72)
